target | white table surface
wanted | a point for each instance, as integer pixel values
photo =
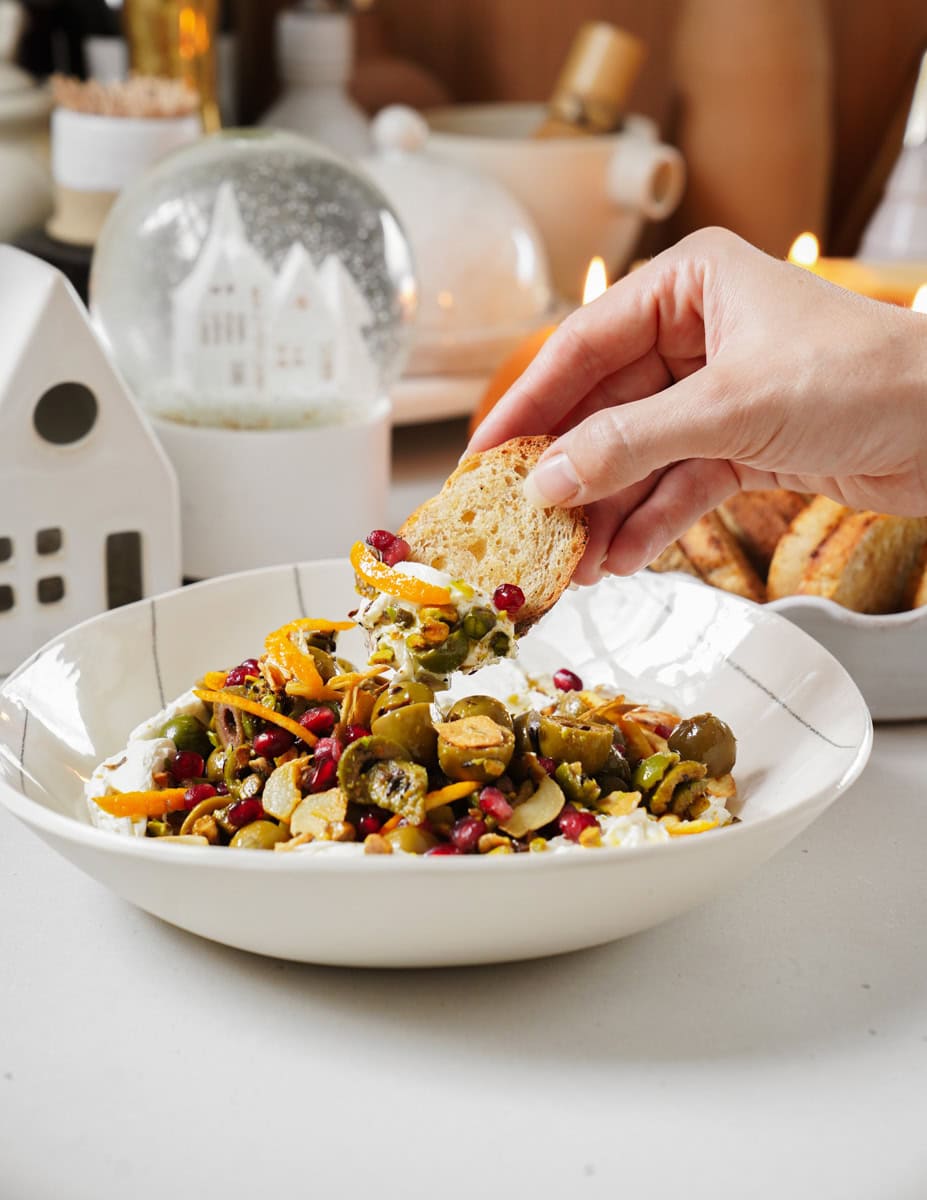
(772, 1044)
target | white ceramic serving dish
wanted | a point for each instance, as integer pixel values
(804, 736)
(885, 655)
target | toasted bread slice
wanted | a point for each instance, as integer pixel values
(758, 520)
(916, 591)
(674, 558)
(806, 532)
(866, 562)
(480, 528)
(719, 560)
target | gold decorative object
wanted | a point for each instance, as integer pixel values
(177, 39)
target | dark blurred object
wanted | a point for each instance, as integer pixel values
(53, 40)
(382, 78)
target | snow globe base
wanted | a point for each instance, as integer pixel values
(260, 497)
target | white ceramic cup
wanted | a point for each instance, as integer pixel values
(588, 195)
(260, 497)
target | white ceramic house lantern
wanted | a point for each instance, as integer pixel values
(89, 504)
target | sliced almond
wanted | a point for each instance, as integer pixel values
(316, 813)
(472, 733)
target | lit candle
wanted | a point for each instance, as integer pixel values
(894, 282)
(524, 353)
(919, 303)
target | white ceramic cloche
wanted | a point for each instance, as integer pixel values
(483, 275)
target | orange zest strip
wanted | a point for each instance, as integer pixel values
(689, 827)
(392, 582)
(214, 679)
(142, 804)
(256, 710)
(447, 795)
(391, 824)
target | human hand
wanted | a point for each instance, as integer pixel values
(712, 369)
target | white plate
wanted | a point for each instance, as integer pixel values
(419, 400)
(803, 729)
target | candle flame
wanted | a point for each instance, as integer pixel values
(596, 280)
(805, 250)
(919, 303)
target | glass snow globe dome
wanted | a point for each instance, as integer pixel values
(254, 280)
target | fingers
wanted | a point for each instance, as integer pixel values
(683, 494)
(620, 446)
(656, 308)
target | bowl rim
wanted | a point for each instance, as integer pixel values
(37, 815)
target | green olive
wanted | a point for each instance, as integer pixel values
(411, 727)
(398, 695)
(325, 662)
(480, 706)
(215, 766)
(707, 739)
(259, 835)
(373, 770)
(649, 771)
(443, 659)
(481, 764)
(412, 839)
(615, 776)
(187, 733)
(500, 644)
(567, 739)
(478, 622)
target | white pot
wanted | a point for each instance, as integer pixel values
(260, 497)
(588, 195)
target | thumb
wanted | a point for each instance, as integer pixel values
(621, 445)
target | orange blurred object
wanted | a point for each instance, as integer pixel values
(506, 374)
(525, 353)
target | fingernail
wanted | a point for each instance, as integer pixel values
(553, 481)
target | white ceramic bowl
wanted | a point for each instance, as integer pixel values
(885, 655)
(803, 730)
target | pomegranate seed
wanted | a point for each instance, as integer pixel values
(508, 597)
(273, 742)
(398, 552)
(187, 764)
(467, 832)
(327, 748)
(353, 732)
(547, 763)
(495, 804)
(662, 730)
(240, 674)
(567, 681)
(369, 822)
(243, 812)
(324, 775)
(320, 721)
(443, 848)
(572, 821)
(380, 539)
(197, 793)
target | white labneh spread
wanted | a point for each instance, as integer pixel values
(134, 768)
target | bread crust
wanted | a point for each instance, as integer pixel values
(806, 532)
(480, 528)
(866, 562)
(718, 558)
(758, 520)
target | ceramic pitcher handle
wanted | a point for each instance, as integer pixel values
(646, 176)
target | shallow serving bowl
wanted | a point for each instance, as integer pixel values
(803, 729)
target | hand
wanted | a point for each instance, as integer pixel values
(712, 369)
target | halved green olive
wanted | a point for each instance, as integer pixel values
(576, 786)
(474, 748)
(412, 728)
(398, 695)
(478, 622)
(615, 776)
(649, 771)
(527, 726)
(412, 839)
(187, 733)
(325, 662)
(259, 835)
(678, 774)
(568, 739)
(374, 770)
(443, 659)
(480, 706)
(215, 766)
(707, 739)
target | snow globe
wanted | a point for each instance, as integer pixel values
(254, 290)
